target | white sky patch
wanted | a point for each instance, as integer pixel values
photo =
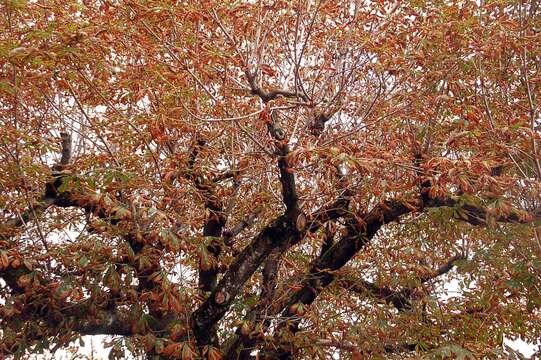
(526, 349)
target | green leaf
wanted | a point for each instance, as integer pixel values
(18, 4)
(465, 265)
(83, 261)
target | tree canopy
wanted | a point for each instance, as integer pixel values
(270, 179)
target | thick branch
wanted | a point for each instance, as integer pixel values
(230, 234)
(240, 345)
(11, 273)
(111, 323)
(66, 148)
(442, 270)
(478, 215)
(357, 236)
(284, 230)
(276, 234)
(287, 176)
(333, 211)
(84, 318)
(10, 227)
(321, 273)
(399, 348)
(338, 255)
(271, 95)
(214, 223)
(91, 202)
(400, 299)
(213, 228)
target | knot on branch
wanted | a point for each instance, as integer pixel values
(279, 133)
(318, 124)
(300, 223)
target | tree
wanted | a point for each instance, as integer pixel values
(271, 179)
